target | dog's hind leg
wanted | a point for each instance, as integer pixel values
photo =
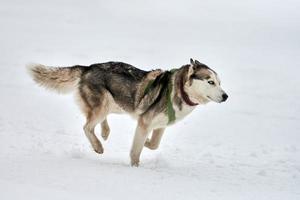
(95, 105)
(153, 143)
(141, 133)
(95, 113)
(92, 120)
(105, 130)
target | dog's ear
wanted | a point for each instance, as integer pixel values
(192, 61)
(190, 70)
(198, 63)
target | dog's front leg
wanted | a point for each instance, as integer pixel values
(141, 134)
(153, 143)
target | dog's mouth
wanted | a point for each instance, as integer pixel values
(211, 99)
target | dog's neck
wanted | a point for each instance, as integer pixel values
(184, 95)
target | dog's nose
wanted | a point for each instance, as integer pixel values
(224, 96)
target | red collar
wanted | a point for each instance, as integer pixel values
(185, 96)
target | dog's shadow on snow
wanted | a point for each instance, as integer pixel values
(149, 161)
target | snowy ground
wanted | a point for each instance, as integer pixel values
(246, 148)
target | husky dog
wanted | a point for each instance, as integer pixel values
(155, 98)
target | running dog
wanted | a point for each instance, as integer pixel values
(155, 98)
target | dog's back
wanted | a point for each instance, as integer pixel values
(64, 79)
(119, 79)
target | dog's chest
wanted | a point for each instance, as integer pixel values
(184, 111)
(162, 120)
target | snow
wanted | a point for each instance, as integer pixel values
(246, 148)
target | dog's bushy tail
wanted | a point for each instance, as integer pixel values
(59, 79)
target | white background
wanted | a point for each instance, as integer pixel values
(246, 148)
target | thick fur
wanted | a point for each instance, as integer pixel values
(60, 79)
(116, 87)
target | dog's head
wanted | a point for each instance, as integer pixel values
(202, 84)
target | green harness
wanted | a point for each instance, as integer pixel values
(168, 76)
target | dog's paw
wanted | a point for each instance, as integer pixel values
(105, 133)
(98, 148)
(135, 160)
(149, 145)
(135, 163)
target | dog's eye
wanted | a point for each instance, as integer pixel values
(211, 82)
